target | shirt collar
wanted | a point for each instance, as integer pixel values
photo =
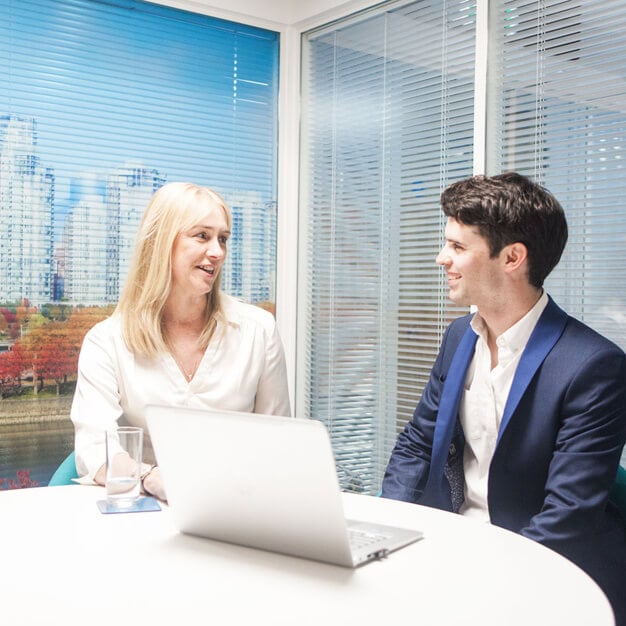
(515, 338)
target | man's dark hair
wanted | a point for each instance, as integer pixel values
(511, 208)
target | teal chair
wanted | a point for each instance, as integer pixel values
(65, 472)
(618, 493)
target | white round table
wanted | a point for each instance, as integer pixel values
(63, 562)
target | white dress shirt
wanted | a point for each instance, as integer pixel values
(483, 401)
(243, 369)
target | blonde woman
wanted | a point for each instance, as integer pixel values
(174, 337)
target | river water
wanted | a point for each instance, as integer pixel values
(31, 451)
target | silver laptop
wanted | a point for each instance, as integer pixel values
(262, 481)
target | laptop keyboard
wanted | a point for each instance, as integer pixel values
(362, 538)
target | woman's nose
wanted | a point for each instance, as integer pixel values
(215, 249)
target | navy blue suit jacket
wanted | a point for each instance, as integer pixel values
(558, 448)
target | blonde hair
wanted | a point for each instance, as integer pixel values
(173, 209)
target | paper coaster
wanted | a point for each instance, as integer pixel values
(141, 505)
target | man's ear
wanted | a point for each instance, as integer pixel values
(514, 256)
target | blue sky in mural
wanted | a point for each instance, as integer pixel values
(156, 86)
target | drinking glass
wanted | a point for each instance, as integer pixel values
(124, 448)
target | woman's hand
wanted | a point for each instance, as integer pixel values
(153, 484)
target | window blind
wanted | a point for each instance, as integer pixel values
(387, 124)
(103, 102)
(558, 109)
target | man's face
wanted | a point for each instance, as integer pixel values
(473, 277)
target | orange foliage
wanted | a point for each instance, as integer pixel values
(268, 306)
(50, 350)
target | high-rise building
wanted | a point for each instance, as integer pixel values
(249, 271)
(100, 232)
(26, 214)
(128, 192)
(85, 239)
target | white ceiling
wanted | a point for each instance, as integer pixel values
(283, 12)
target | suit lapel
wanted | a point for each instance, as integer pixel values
(449, 403)
(545, 334)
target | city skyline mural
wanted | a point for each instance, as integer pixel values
(101, 103)
(81, 255)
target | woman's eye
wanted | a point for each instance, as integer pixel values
(223, 240)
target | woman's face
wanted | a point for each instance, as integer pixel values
(199, 253)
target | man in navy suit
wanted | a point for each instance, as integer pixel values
(523, 420)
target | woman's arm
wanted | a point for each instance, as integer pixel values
(96, 405)
(272, 397)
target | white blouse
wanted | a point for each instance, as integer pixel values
(243, 369)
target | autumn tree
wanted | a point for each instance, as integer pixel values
(51, 348)
(82, 319)
(4, 325)
(13, 329)
(56, 355)
(30, 343)
(267, 306)
(59, 350)
(11, 368)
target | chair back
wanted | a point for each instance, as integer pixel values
(618, 493)
(64, 473)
